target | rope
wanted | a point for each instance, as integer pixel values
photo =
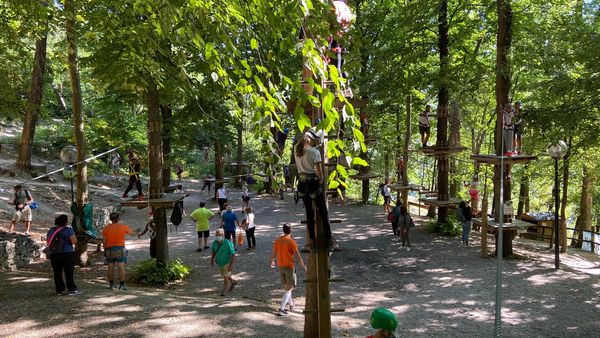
(499, 244)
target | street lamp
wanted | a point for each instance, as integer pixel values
(556, 152)
(68, 155)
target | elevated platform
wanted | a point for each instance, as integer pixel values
(364, 177)
(436, 151)
(496, 159)
(411, 187)
(437, 203)
(167, 201)
(516, 224)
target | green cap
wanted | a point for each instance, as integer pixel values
(382, 318)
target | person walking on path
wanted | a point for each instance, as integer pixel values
(202, 216)
(387, 197)
(222, 197)
(22, 201)
(223, 253)
(405, 222)
(62, 255)
(463, 214)
(230, 222)
(245, 197)
(396, 211)
(115, 164)
(134, 176)
(285, 250)
(207, 182)
(249, 227)
(310, 174)
(114, 248)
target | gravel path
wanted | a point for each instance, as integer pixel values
(438, 289)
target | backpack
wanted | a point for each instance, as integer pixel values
(176, 215)
(55, 244)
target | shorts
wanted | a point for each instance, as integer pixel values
(225, 270)
(116, 167)
(205, 233)
(116, 254)
(24, 214)
(424, 129)
(245, 198)
(288, 277)
(387, 199)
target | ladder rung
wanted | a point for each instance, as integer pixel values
(337, 310)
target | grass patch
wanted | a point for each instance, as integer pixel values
(147, 273)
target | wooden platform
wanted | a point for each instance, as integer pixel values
(437, 203)
(167, 201)
(495, 159)
(434, 151)
(214, 180)
(364, 177)
(411, 187)
(516, 224)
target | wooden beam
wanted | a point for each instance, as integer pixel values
(509, 160)
(167, 200)
(437, 203)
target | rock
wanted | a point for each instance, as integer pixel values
(17, 250)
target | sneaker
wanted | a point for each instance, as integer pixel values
(112, 286)
(74, 292)
(408, 248)
(199, 250)
(233, 284)
(61, 293)
(281, 313)
(122, 287)
(206, 247)
(124, 196)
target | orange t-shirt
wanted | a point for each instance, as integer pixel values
(285, 248)
(114, 234)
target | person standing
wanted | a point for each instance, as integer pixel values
(245, 197)
(229, 222)
(424, 127)
(285, 250)
(207, 182)
(22, 200)
(115, 163)
(179, 171)
(62, 257)
(202, 216)
(222, 197)
(223, 253)
(134, 176)
(310, 186)
(114, 248)
(518, 129)
(387, 197)
(463, 214)
(508, 130)
(404, 223)
(249, 227)
(397, 213)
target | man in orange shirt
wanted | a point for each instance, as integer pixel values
(114, 248)
(285, 249)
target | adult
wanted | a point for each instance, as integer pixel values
(518, 129)
(245, 197)
(223, 253)
(387, 197)
(115, 164)
(424, 127)
(178, 171)
(385, 322)
(202, 216)
(62, 256)
(463, 214)
(310, 175)
(134, 176)
(507, 129)
(248, 226)
(285, 250)
(229, 221)
(207, 182)
(222, 197)
(114, 248)
(404, 223)
(22, 200)
(396, 211)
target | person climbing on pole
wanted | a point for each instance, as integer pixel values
(310, 174)
(134, 176)
(424, 128)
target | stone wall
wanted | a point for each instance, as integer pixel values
(17, 250)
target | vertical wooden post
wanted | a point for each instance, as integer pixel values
(405, 152)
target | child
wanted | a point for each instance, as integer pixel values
(385, 322)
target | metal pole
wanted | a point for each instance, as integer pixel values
(556, 202)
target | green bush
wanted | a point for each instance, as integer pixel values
(147, 273)
(451, 227)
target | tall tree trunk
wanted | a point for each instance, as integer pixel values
(78, 125)
(524, 193)
(442, 111)
(406, 146)
(563, 202)
(503, 44)
(34, 100)
(584, 220)
(155, 169)
(219, 166)
(454, 142)
(239, 154)
(167, 115)
(386, 163)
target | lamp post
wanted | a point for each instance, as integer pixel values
(556, 152)
(68, 155)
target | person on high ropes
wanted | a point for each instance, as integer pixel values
(424, 127)
(134, 176)
(508, 127)
(518, 129)
(310, 186)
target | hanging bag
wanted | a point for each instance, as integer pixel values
(391, 217)
(240, 238)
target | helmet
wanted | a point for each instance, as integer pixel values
(382, 318)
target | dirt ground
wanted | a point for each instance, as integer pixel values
(439, 289)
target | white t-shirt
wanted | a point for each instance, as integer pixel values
(222, 193)
(387, 190)
(424, 118)
(245, 192)
(250, 219)
(307, 163)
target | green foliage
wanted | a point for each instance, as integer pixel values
(146, 272)
(451, 227)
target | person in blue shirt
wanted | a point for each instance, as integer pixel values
(62, 257)
(229, 222)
